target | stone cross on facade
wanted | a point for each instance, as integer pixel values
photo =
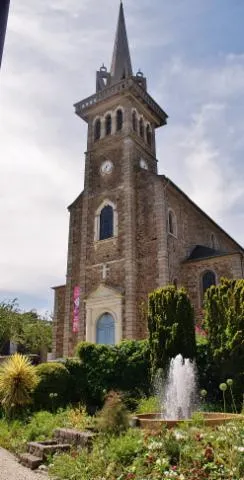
(105, 270)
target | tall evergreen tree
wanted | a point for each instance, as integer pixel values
(224, 323)
(171, 326)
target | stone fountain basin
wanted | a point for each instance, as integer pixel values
(154, 421)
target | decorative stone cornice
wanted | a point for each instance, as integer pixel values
(83, 107)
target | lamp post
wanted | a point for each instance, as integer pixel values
(4, 8)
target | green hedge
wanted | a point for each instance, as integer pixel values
(53, 390)
(124, 367)
(97, 370)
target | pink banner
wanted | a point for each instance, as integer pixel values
(76, 310)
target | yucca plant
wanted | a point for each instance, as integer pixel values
(17, 381)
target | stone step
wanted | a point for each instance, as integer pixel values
(74, 437)
(30, 461)
(44, 449)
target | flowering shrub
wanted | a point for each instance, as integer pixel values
(185, 453)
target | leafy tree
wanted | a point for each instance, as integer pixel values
(10, 322)
(171, 326)
(36, 333)
(27, 329)
(224, 323)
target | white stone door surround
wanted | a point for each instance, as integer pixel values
(103, 300)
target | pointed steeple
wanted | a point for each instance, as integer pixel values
(121, 63)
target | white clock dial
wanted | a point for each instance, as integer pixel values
(143, 164)
(106, 167)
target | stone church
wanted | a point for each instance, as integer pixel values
(131, 229)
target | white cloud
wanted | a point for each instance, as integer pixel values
(203, 144)
(53, 49)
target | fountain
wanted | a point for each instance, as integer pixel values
(178, 399)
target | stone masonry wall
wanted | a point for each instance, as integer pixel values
(192, 271)
(193, 228)
(58, 322)
(73, 272)
(146, 245)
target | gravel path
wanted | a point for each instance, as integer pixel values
(10, 469)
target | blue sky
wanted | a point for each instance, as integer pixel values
(192, 52)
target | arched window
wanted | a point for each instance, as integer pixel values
(105, 331)
(97, 129)
(119, 120)
(141, 128)
(171, 223)
(134, 121)
(208, 279)
(106, 223)
(149, 135)
(172, 226)
(108, 125)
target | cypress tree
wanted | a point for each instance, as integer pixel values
(224, 323)
(171, 326)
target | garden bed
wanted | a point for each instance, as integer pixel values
(190, 451)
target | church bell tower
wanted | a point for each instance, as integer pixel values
(113, 246)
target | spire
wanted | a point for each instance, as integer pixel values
(121, 62)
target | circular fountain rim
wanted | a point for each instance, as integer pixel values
(151, 420)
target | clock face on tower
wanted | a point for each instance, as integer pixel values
(106, 167)
(143, 164)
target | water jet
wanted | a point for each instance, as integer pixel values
(178, 399)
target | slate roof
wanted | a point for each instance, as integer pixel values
(121, 62)
(200, 251)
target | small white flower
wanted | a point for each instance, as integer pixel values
(155, 446)
(179, 435)
(239, 449)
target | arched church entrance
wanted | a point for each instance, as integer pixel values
(105, 330)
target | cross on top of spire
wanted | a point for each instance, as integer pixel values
(121, 62)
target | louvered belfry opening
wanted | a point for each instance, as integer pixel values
(119, 120)
(106, 222)
(97, 129)
(108, 124)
